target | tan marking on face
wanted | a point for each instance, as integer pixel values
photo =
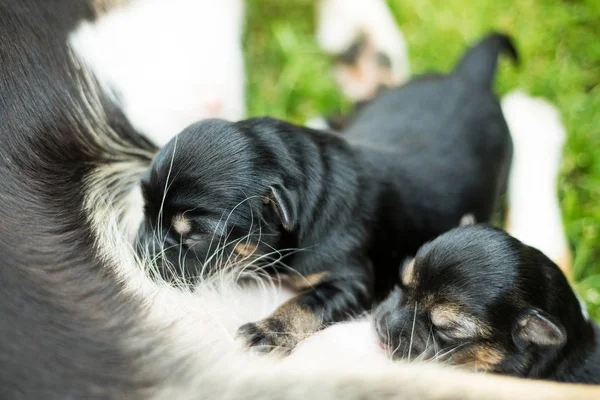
(408, 274)
(481, 358)
(488, 356)
(245, 249)
(181, 225)
(463, 326)
(299, 282)
(445, 315)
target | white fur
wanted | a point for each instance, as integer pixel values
(538, 135)
(168, 63)
(341, 21)
(344, 343)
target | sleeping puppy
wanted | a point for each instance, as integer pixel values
(478, 297)
(327, 212)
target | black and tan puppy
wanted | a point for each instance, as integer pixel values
(414, 161)
(478, 297)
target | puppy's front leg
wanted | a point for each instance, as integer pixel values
(330, 300)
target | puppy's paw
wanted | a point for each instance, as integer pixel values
(266, 336)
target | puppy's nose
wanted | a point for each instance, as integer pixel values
(403, 330)
(411, 336)
(386, 316)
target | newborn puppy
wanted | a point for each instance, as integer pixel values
(333, 215)
(476, 296)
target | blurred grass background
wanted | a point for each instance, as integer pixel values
(559, 44)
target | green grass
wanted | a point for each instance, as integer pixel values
(559, 44)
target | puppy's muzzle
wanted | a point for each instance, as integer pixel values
(402, 329)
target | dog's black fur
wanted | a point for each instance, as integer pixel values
(411, 164)
(501, 306)
(64, 320)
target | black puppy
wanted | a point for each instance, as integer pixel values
(478, 297)
(413, 162)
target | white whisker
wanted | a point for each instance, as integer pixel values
(412, 333)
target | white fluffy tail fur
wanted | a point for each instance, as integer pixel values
(534, 213)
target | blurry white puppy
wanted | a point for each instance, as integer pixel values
(168, 63)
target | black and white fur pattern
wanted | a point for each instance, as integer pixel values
(79, 318)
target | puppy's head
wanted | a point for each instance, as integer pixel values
(215, 194)
(477, 297)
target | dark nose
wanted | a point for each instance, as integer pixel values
(401, 327)
(386, 316)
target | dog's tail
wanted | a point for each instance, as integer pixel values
(479, 63)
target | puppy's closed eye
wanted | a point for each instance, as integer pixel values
(246, 248)
(454, 323)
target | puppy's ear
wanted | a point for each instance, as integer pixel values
(534, 326)
(284, 204)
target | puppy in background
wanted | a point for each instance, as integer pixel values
(370, 50)
(534, 215)
(477, 297)
(333, 215)
(369, 53)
